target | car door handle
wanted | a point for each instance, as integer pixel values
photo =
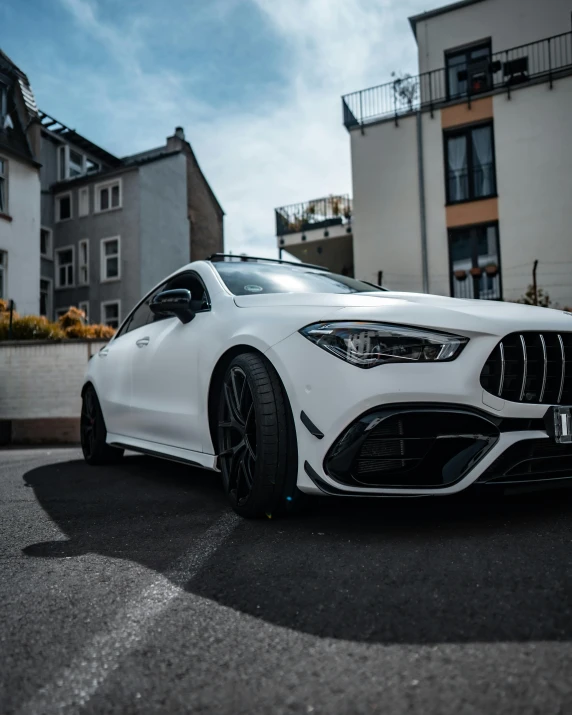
(103, 352)
(142, 342)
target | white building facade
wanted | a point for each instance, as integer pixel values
(462, 176)
(19, 191)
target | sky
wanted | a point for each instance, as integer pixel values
(256, 85)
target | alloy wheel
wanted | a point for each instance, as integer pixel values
(237, 435)
(88, 424)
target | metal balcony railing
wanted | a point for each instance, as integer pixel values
(542, 60)
(319, 213)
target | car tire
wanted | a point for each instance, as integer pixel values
(258, 453)
(93, 433)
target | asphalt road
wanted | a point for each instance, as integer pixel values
(134, 589)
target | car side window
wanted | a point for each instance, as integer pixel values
(142, 315)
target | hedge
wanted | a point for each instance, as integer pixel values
(36, 327)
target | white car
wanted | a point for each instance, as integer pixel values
(289, 379)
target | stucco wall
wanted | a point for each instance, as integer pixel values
(43, 380)
(386, 226)
(534, 178)
(164, 232)
(508, 23)
(122, 222)
(20, 237)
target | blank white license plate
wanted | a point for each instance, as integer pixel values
(562, 424)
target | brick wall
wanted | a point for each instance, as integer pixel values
(40, 386)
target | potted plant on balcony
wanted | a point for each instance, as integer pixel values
(492, 269)
(460, 275)
(476, 271)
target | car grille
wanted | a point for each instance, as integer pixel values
(532, 368)
(530, 460)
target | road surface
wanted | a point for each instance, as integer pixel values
(134, 589)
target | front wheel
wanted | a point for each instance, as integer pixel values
(256, 438)
(93, 433)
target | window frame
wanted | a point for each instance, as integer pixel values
(57, 267)
(80, 264)
(50, 301)
(474, 226)
(104, 304)
(466, 131)
(103, 278)
(50, 254)
(3, 99)
(84, 305)
(57, 199)
(4, 181)
(4, 271)
(465, 50)
(84, 190)
(108, 185)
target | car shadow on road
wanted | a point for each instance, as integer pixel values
(385, 571)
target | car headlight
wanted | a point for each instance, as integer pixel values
(369, 344)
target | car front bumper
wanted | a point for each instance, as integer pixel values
(460, 433)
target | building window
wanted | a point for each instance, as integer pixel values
(3, 101)
(470, 164)
(45, 297)
(83, 262)
(84, 305)
(75, 163)
(3, 186)
(110, 313)
(3, 274)
(63, 207)
(83, 208)
(108, 196)
(62, 163)
(468, 70)
(474, 258)
(45, 243)
(64, 267)
(110, 259)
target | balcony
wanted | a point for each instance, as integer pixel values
(542, 61)
(318, 231)
(311, 215)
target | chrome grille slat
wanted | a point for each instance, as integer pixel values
(524, 368)
(503, 367)
(563, 367)
(545, 371)
(529, 367)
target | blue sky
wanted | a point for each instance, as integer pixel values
(256, 84)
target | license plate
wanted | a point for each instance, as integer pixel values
(562, 424)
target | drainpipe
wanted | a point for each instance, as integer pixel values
(422, 214)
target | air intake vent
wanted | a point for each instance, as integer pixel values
(531, 367)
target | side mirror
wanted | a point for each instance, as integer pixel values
(173, 302)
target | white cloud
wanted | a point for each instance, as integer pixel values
(259, 156)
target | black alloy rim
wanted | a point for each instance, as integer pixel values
(88, 423)
(237, 435)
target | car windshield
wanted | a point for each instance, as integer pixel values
(243, 278)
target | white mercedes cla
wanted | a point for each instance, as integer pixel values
(291, 380)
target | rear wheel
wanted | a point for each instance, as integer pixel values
(93, 432)
(256, 439)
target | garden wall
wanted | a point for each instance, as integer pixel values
(40, 386)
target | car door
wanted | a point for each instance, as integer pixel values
(114, 373)
(165, 403)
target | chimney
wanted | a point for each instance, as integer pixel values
(177, 141)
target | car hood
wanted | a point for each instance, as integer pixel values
(420, 309)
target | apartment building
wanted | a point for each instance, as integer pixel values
(19, 189)
(462, 174)
(319, 232)
(113, 227)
